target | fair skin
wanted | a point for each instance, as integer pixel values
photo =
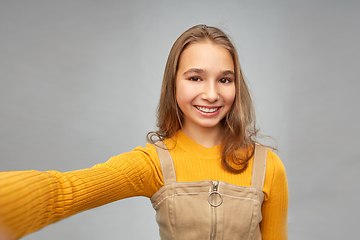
(205, 90)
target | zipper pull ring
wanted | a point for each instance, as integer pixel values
(215, 191)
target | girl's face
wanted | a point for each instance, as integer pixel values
(205, 85)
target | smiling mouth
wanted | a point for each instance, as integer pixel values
(207, 110)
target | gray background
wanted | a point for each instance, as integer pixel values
(80, 82)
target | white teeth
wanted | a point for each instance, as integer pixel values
(207, 110)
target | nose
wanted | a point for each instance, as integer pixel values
(210, 92)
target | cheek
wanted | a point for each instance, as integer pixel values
(180, 97)
(184, 94)
(230, 97)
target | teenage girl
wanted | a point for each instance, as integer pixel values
(207, 177)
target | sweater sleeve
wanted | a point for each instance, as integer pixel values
(31, 200)
(275, 206)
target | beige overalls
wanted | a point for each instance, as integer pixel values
(209, 209)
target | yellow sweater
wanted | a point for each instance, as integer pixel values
(31, 200)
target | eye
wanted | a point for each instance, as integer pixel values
(195, 79)
(225, 80)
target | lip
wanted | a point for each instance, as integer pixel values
(208, 114)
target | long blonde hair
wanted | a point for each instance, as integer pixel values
(239, 128)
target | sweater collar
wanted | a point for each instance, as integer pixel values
(192, 147)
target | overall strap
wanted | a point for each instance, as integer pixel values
(259, 167)
(167, 165)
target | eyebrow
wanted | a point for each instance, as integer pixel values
(199, 70)
(194, 70)
(228, 72)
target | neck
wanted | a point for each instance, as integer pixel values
(207, 137)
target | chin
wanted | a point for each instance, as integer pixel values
(209, 125)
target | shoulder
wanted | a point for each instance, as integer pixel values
(142, 163)
(139, 155)
(274, 164)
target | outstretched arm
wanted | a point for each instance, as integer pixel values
(31, 200)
